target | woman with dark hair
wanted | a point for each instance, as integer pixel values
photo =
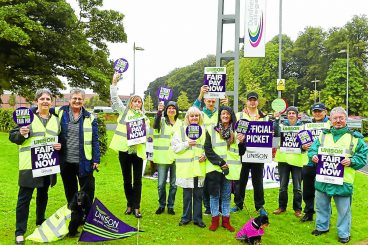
(129, 155)
(166, 121)
(222, 147)
(43, 125)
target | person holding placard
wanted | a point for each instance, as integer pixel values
(290, 161)
(319, 123)
(250, 113)
(223, 148)
(129, 140)
(210, 116)
(165, 124)
(337, 153)
(44, 125)
(187, 143)
(80, 154)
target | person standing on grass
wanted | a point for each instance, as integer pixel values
(320, 120)
(129, 156)
(250, 113)
(166, 122)
(290, 161)
(190, 167)
(43, 125)
(210, 116)
(80, 153)
(222, 147)
(341, 139)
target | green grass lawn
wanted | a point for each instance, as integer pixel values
(164, 229)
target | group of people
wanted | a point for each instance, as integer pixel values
(78, 148)
(207, 167)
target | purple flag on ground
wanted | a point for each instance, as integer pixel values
(102, 225)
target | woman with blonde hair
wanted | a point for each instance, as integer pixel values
(187, 142)
(132, 150)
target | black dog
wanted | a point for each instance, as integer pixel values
(80, 206)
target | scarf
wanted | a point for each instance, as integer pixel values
(226, 133)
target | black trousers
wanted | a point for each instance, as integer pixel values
(70, 174)
(133, 190)
(256, 169)
(192, 203)
(22, 210)
(308, 177)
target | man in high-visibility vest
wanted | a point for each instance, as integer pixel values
(80, 154)
(351, 147)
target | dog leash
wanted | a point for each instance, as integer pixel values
(138, 231)
(245, 206)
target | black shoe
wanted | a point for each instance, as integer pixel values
(137, 213)
(160, 210)
(171, 211)
(318, 233)
(181, 223)
(307, 217)
(200, 224)
(128, 211)
(344, 240)
(207, 211)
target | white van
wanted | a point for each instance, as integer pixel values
(105, 109)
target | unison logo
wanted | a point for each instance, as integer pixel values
(109, 222)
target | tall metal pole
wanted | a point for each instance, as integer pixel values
(280, 45)
(347, 80)
(133, 70)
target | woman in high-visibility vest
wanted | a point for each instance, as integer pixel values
(190, 167)
(43, 125)
(166, 122)
(223, 147)
(130, 141)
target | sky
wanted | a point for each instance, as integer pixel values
(177, 33)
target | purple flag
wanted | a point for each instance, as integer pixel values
(102, 225)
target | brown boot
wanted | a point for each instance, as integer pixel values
(226, 224)
(214, 223)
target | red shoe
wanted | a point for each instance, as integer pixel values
(214, 223)
(226, 224)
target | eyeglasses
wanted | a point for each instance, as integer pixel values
(77, 99)
(338, 119)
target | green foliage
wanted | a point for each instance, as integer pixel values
(102, 137)
(148, 103)
(95, 101)
(42, 40)
(183, 102)
(365, 127)
(6, 120)
(12, 100)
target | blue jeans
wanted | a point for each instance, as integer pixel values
(162, 170)
(296, 174)
(323, 211)
(225, 192)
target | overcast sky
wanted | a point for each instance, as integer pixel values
(176, 33)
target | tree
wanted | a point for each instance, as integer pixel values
(148, 104)
(95, 101)
(183, 102)
(12, 100)
(43, 40)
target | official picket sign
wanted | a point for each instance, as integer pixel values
(164, 93)
(215, 79)
(304, 137)
(23, 116)
(316, 128)
(136, 132)
(193, 131)
(258, 140)
(45, 159)
(288, 141)
(329, 168)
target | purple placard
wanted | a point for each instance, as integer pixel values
(304, 137)
(242, 126)
(215, 79)
(329, 169)
(164, 93)
(136, 132)
(259, 134)
(23, 116)
(102, 225)
(45, 159)
(194, 131)
(121, 65)
(288, 141)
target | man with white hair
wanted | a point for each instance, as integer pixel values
(339, 138)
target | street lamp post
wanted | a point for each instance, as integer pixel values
(315, 90)
(134, 49)
(347, 77)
